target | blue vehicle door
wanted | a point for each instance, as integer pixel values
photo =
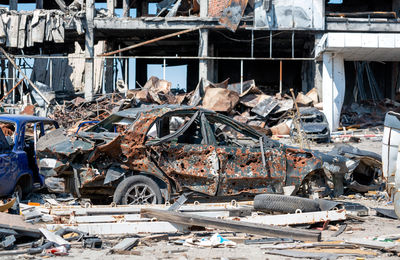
(8, 166)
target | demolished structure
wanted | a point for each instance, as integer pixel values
(77, 48)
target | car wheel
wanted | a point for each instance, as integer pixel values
(18, 192)
(137, 190)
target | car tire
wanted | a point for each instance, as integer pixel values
(18, 191)
(284, 204)
(137, 190)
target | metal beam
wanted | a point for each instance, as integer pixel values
(351, 25)
(166, 57)
(203, 52)
(230, 225)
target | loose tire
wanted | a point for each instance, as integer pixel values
(137, 190)
(284, 204)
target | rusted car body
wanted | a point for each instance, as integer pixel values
(180, 149)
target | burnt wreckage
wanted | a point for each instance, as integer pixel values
(154, 153)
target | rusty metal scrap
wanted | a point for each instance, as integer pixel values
(199, 160)
(232, 14)
(72, 113)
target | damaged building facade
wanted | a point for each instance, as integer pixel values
(347, 50)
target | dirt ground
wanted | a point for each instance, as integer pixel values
(373, 226)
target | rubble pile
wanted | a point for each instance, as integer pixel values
(271, 224)
(71, 113)
(367, 113)
(249, 105)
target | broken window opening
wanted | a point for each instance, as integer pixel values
(227, 134)
(9, 132)
(114, 124)
(189, 132)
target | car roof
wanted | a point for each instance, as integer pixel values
(148, 109)
(19, 119)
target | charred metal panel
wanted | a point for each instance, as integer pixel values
(299, 164)
(243, 170)
(289, 14)
(195, 167)
(232, 14)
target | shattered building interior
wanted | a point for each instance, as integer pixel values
(66, 46)
(191, 127)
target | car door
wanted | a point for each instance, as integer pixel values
(184, 155)
(243, 168)
(8, 166)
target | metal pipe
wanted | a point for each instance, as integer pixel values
(280, 77)
(164, 65)
(252, 43)
(270, 44)
(241, 76)
(51, 74)
(167, 57)
(126, 69)
(292, 44)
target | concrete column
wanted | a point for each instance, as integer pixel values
(89, 50)
(203, 52)
(318, 78)
(109, 74)
(334, 86)
(125, 7)
(203, 8)
(11, 76)
(13, 5)
(39, 4)
(212, 76)
(111, 7)
(126, 72)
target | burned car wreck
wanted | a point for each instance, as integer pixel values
(314, 124)
(152, 154)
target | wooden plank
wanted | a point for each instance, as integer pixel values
(384, 246)
(230, 225)
(9, 92)
(206, 207)
(17, 223)
(136, 217)
(122, 228)
(53, 237)
(126, 244)
(297, 219)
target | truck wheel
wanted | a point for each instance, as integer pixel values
(137, 190)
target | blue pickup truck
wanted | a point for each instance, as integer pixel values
(19, 171)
